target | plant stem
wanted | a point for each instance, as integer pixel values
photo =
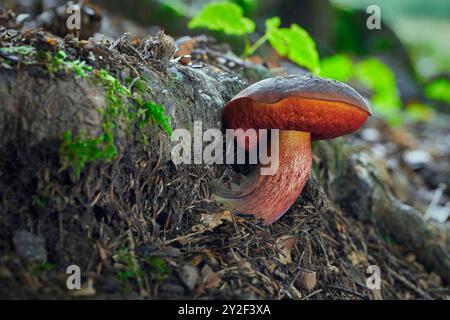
(256, 45)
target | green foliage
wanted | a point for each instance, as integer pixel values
(39, 201)
(80, 150)
(131, 268)
(373, 74)
(40, 267)
(159, 268)
(116, 94)
(21, 50)
(179, 7)
(223, 16)
(294, 43)
(420, 112)
(249, 6)
(381, 80)
(389, 240)
(438, 90)
(339, 67)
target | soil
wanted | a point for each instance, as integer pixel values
(141, 227)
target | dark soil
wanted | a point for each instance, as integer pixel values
(140, 227)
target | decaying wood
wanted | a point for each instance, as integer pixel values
(356, 184)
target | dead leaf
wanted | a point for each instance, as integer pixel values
(186, 46)
(212, 257)
(410, 258)
(332, 269)
(210, 221)
(270, 265)
(357, 258)
(189, 276)
(211, 279)
(307, 280)
(195, 261)
(285, 245)
(246, 267)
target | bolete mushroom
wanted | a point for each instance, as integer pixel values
(304, 108)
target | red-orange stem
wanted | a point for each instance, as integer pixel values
(270, 196)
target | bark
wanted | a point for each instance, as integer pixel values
(356, 184)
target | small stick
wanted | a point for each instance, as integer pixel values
(410, 285)
(312, 294)
(356, 294)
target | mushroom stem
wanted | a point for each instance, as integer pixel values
(269, 197)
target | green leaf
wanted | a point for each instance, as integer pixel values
(379, 78)
(276, 36)
(294, 43)
(223, 16)
(420, 112)
(439, 90)
(376, 75)
(338, 67)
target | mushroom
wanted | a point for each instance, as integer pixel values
(304, 108)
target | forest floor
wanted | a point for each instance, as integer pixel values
(187, 246)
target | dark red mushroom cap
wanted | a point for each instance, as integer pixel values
(326, 108)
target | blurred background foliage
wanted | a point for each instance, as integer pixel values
(349, 51)
(403, 67)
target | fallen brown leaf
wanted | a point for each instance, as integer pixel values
(285, 245)
(210, 221)
(307, 280)
(210, 278)
(357, 258)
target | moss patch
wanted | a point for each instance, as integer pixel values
(124, 110)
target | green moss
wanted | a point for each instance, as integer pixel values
(159, 268)
(59, 62)
(150, 111)
(22, 50)
(124, 110)
(131, 267)
(40, 267)
(77, 151)
(141, 85)
(39, 201)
